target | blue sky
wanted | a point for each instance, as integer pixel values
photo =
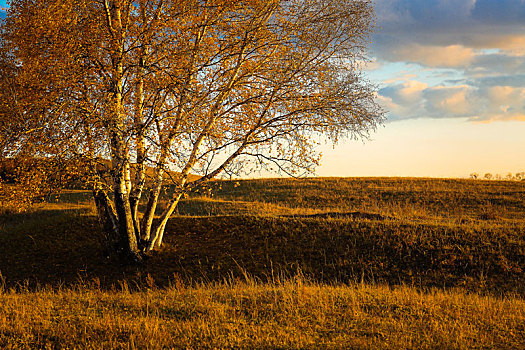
(451, 74)
(458, 58)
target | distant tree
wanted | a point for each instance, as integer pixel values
(474, 176)
(488, 176)
(194, 87)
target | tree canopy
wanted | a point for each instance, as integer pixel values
(184, 87)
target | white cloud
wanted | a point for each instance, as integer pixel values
(456, 101)
(413, 99)
(451, 56)
(482, 42)
(513, 45)
(408, 92)
(502, 103)
(404, 100)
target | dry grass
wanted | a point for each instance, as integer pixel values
(389, 263)
(292, 314)
(403, 198)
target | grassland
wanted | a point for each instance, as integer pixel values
(286, 263)
(291, 315)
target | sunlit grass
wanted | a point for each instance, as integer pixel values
(288, 314)
(399, 197)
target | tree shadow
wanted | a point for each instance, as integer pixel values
(65, 248)
(49, 246)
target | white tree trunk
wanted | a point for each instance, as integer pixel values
(156, 240)
(140, 144)
(119, 148)
(149, 214)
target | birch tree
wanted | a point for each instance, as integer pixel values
(186, 87)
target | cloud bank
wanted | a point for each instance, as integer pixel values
(480, 42)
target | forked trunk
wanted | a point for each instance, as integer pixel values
(149, 214)
(122, 186)
(117, 220)
(156, 240)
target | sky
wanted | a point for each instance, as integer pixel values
(451, 76)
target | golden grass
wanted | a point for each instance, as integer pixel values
(403, 198)
(390, 263)
(289, 315)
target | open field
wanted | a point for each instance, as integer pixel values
(364, 262)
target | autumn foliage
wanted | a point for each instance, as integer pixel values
(212, 88)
